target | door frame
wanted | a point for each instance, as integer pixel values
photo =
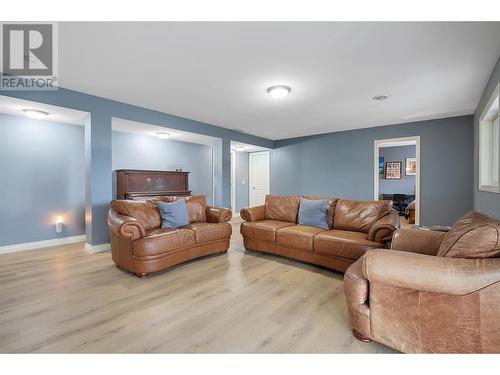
(394, 142)
(250, 167)
(233, 181)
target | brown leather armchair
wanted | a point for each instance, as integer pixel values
(353, 228)
(433, 293)
(141, 246)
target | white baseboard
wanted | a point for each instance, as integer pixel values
(41, 244)
(92, 249)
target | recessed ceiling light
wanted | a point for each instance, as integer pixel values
(279, 91)
(380, 97)
(162, 135)
(35, 114)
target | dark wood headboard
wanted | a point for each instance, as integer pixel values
(142, 184)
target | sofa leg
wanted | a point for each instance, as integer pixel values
(360, 337)
(142, 275)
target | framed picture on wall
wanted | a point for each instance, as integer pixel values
(393, 170)
(411, 166)
(381, 165)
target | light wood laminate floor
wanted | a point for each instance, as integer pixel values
(64, 300)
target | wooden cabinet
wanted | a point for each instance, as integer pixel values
(142, 184)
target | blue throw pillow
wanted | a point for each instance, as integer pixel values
(173, 214)
(313, 213)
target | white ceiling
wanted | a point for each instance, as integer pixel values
(14, 106)
(218, 72)
(134, 127)
(245, 147)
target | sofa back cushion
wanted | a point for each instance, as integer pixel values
(473, 236)
(195, 204)
(282, 208)
(359, 216)
(330, 208)
(146, 213)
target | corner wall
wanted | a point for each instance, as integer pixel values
(485, 202)
(341, 164)
(42, 174)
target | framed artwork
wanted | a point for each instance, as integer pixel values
(411, 166)
(393, 170)
(381, 165)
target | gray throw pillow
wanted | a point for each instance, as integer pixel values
(173, 214)
(313, 213)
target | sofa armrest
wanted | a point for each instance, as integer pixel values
(125, 226)
(384, 227)
(426, 273)
(417, 241)
(257, 213)
(218, 214)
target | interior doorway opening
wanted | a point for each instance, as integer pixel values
(250, 175)
(397, 176)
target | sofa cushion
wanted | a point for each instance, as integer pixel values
(330, 208)
(313, 213)
(145, 213)
(298, 236)
(161, 240)
(282, 208)
(342, 243)
(206, 232)
(359, 216)
(264, 230)
(473, 236)
(173, 214)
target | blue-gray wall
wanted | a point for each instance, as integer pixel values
(241, 180)
(134, 151)
(485, 202)
(41, 176)
(406, 185)
(98, 165)
(341, 164)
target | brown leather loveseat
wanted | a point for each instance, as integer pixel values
(141, 246)
(435, 293)
(354, 227)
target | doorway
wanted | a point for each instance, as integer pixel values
(249, 164)
(258, 177)
(397, 176)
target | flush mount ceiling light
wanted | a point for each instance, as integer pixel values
(35, 114)
(162, 135)
(279, 91)
(380, 97)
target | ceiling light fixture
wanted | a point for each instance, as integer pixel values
(162, 135)
(279, 91)
(380, 97)
(35, 114)
(238, 147)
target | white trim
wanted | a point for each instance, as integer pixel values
(250, 166)
(41, 244)
(92, 249)
(488, 186)
(398, 142)
(233, 181)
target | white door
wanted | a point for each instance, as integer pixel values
(259, 178)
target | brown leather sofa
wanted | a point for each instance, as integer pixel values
(434, 293)
(355, 227)
(141, 246)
